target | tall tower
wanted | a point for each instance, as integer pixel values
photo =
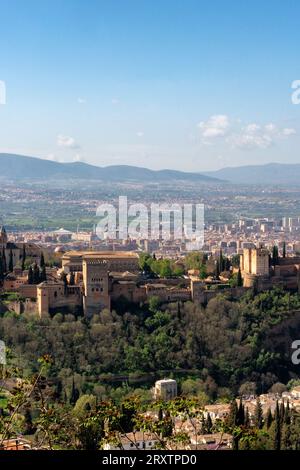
(96, 285)
(254, 265)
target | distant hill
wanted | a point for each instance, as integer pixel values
(272, 173)
(20, 167)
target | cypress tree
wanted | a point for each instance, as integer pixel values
(287, 414)
(43, 275)
(239, 278)
(217, 270)
(23, 257)
(208, 424)
(221, 262)
(277, 429)
(72, 279)
(11, 262)
(275, 256)
(30, 275)
(65, 281)
(1, 269)
(233, 412)
(4, 261)
(247, 419)
(269, 418)
(284, 250)
(74, 394)
(258, 415)
(282, 412)
(36, 274)
(240, 414)
(42, 261)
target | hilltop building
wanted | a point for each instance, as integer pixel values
(8, 249)
(101, 278)
(260, 271)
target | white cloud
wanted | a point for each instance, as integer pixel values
(288, 131)
(81, 100)
(216, 126)
(252, 128)
(235, 134)
(250, 140)
(66, 141)
(140, 134)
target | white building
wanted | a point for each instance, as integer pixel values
(165, 389)
(133, 441)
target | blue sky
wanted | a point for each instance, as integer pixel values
(191, 84)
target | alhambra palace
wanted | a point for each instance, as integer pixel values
(90, 281)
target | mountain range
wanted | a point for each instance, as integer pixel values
(18, 167)
(271, 173)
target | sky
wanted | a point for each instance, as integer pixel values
(192, 85)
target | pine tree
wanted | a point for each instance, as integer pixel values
(30, 275)
(258, 415)
(269, 418)
(23, 257)
(42, 260)
(239, 278)
(11, 261)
